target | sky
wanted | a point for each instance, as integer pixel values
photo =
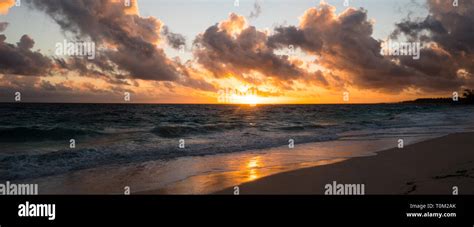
(217, 51)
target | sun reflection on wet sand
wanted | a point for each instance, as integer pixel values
(252, 169)
(252, 166)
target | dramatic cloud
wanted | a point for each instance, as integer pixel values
(130, 39)
(233, 47)
(234, 25)
(449, 60)
(5, 5)
(348, 48)
(20, 59)
(344, 44)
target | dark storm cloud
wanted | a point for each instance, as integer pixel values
(20, 59)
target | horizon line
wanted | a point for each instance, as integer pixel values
(234, 104)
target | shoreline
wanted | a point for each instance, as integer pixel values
(212, 173)
(219, 173)
(433, 166)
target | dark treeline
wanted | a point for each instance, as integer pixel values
(467, 98)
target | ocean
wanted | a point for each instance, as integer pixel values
(35, 139)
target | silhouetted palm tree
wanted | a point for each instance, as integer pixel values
(469, 96)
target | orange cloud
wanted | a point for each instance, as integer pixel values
(131, 6)
(234, 25)
(5, 5)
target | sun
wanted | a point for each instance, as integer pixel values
(249, 99)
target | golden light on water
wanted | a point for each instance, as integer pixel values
(252, 166)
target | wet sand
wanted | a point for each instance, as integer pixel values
(430, 167)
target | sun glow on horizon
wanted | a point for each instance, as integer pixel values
(249, 99)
